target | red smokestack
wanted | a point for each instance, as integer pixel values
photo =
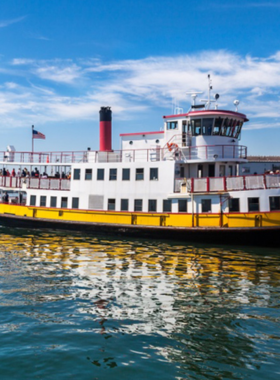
(105, 129)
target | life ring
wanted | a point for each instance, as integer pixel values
(172, 146)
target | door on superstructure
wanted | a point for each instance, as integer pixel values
(182, 171)
(222, 170)
(184, 133)
(199, 171)
(211, 170)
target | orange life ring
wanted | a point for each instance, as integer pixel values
(172, 146)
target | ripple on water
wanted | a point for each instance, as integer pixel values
(100, 308)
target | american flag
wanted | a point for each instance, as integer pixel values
(38, 135)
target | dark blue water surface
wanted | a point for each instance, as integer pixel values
(83, 307)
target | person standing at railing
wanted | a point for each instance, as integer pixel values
(19, 173)
(6, 197)
(13, 173)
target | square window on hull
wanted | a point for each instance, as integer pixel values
(253, 204)
(233, 205)
(274, 203)
(124, 204)
(206, 205)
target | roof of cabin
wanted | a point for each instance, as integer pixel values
(141, 133)
(208, 112)
(263, 158)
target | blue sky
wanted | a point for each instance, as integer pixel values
(61, 60)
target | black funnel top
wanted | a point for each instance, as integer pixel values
(105, 114)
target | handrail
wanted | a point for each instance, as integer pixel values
(152, 154)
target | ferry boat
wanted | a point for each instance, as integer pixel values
(181, 182)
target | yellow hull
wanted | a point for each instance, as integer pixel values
(229, 220)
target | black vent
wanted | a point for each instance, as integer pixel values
(105, 114)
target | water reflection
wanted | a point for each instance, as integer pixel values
(201, 312)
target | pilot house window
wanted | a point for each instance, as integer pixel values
(172, 125)
(217, 126)
(196, 127)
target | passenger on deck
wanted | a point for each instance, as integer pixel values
(57, 175)
(37, 174)
(1, 172)
(4, 172)
(18, 173)
(13, 173)
(8, 173)
(32, 173)
(44, 175)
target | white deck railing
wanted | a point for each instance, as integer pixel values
(185, 153)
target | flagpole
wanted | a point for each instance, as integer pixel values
(32, 139)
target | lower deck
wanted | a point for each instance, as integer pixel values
(176, 220)
(259, 229)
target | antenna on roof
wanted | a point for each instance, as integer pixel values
(176, 109)
(209, 100)
(236, 103)
(209, 89)
(194, 96)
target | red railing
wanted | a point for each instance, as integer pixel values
(225, 184)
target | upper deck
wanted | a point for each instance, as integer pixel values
(168, 152)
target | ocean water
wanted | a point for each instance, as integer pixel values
(85, 307)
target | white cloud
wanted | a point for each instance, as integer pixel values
(135, 86)
(59, 74)
(5, 23)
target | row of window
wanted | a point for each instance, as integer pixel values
(139, 174)
(152, 205)
(210, 126)
(206, 204)
(53, 201)
(254, 204)
(234, 204)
